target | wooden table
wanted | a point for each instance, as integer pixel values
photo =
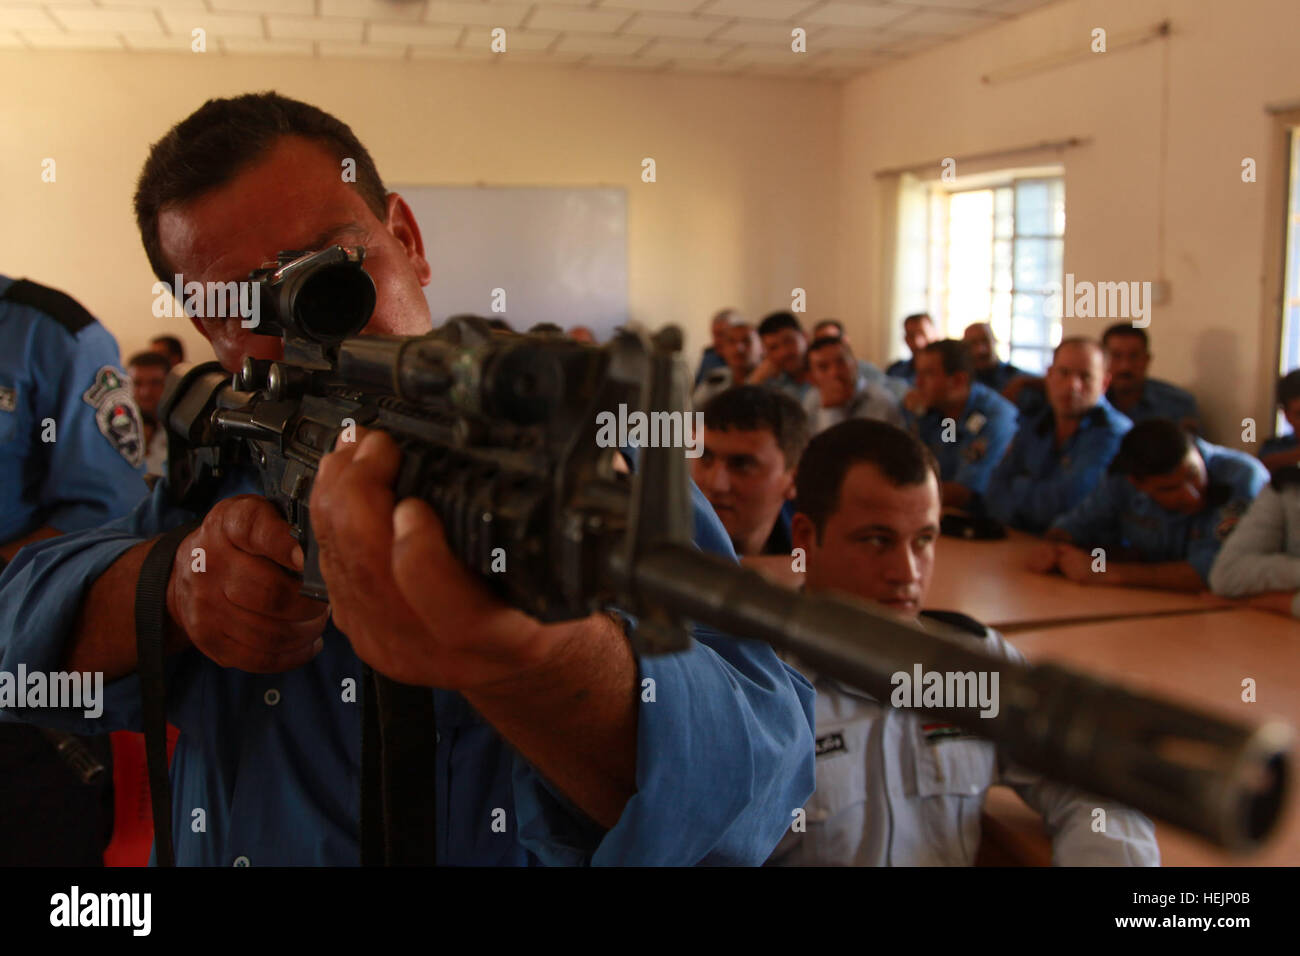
(988, 581)
(1198, 659)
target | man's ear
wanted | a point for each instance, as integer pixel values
(401, 223)
(803, 534)
(790, 488)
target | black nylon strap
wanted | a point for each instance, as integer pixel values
(398, 773)
(150, 624)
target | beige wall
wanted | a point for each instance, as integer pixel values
(740, 214)
(1227, 60)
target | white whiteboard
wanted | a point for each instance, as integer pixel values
(560, 253)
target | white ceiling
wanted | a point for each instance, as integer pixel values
(844, 37)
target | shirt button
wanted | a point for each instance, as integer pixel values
(272, 697)
(241, 861)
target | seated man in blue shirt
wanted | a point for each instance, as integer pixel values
(1284, 450)
(1159, 516)
(867, 371)
(895, 787)
(785, 361)
(1132, 391)
(839, 389)
(1060, 454)
(549, 729)
(918, 332)
(967, 426)
(989, 369)
(713, 355)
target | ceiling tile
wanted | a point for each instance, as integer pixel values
(372, 9)
(314, 28)
(58, 40)
(689, 49)
(481, 38)
(625, 62)
(26, 18)
(770, 54)
(9, 40)
(666, 25)
(216, 24)
(759, 9)
(855, 14)
(416, 34)
(301, 8)
(660, 6)
(942, 23)
(577, 18)
(438, 53)
(775, 34)
(480, 14)
(151, 4)
(600, 43)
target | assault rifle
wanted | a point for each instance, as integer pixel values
(499, 435)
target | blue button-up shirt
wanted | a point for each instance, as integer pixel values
(997, 376)
(980, 437)
(904, 369)
(724, 749)
(71, 446)
(1161, 400)
(1036, 482)
(1117, 516)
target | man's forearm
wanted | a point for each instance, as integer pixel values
(11, 548)
(1171, 575)
(576, 720)
(104, 639)
(1279, 602)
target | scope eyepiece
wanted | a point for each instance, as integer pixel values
(324, 296)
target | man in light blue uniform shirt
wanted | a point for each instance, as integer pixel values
(547, 728)
(71, 441)
(966, 425)
(1161, 514)
(1132, 391)
(71, 456)
(785, 361)
(1283, 450)
(918, 332)
(989, 369)
(1060, 454)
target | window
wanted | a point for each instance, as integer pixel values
(1289, 352)
(993, 252)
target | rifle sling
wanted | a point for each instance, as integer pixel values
(150, 625)
(398, 773)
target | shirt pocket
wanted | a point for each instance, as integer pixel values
(841, 772)
(952, 775)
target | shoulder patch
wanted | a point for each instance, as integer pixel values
(8, 399)
(59, 306)
(116, 414)
(961, 622)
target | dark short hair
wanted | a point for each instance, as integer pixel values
(1154, 447)
(1288, 387)
(1081, 340)
(836, 323)
(826, 341)
(149, 360)
(216, 142)
(778, 321)
(954, 354)
(173, 345)
(1126, 328)
(499, 324)
(899, 456)
(750, 408)
(546, 328)
(918, 316)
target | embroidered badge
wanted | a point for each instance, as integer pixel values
(1230, 514)
(116, 414)
(8, 399)
(975, 450)
(938, 732)
(831, 743)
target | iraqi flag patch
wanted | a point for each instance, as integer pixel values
(116, 414)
